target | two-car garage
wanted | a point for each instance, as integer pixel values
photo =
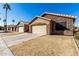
(39, 25)
(41, 29)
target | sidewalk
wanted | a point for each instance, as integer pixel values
(4, 50)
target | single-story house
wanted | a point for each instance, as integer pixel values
(76, 29)
(50, 23)
(11, 28)
(22, 26)
(1, 28)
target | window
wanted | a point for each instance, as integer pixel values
(61, 26)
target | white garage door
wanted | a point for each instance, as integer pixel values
(21, 29)
(41, 29)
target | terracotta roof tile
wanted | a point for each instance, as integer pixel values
(69, 16)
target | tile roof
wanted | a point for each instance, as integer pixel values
(40, 17)
(69, 16)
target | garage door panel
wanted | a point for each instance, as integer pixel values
(41, 29)
(21, 29)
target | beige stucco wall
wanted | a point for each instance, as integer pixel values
(21, 24)
(39, 21)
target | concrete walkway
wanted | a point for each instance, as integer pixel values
(15, 39)
(4, 50)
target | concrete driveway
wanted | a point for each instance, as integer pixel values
(9, 33)
(6, 41)
(15, 39)
(4, 50)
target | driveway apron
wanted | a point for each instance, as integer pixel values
(4, 50)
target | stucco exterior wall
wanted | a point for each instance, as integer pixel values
(21, 24)
(69, 22)
(39, 21)
(26, 27)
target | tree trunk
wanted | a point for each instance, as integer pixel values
(5, 23)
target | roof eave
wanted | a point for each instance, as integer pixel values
(68, 16)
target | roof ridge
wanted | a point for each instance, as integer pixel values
(43, 17)
(23, 21)
(61, 15)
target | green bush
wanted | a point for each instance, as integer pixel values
(76, 35)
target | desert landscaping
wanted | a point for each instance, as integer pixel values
(47, 45)
(38, 32)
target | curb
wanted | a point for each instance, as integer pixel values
(76, 46)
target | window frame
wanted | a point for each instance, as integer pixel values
(63, 24)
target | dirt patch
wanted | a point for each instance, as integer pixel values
(46, 46)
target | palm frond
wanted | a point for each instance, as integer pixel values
(13, 20)
(6, 6)
(4, 20)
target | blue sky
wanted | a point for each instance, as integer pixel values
(27, 11)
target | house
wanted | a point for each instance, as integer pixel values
(11, 28)
(51, 23)
(1, 28)
(22, 26)
(76, 29)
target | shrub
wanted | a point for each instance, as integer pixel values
(76, 35)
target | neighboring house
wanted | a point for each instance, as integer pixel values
(50, 23)
(22, 27)
(11, 28)
(1, 28)
(76, 29)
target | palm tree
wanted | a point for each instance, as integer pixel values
(0, 18)
(13, 21)
(6, 6)
(13, 25)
